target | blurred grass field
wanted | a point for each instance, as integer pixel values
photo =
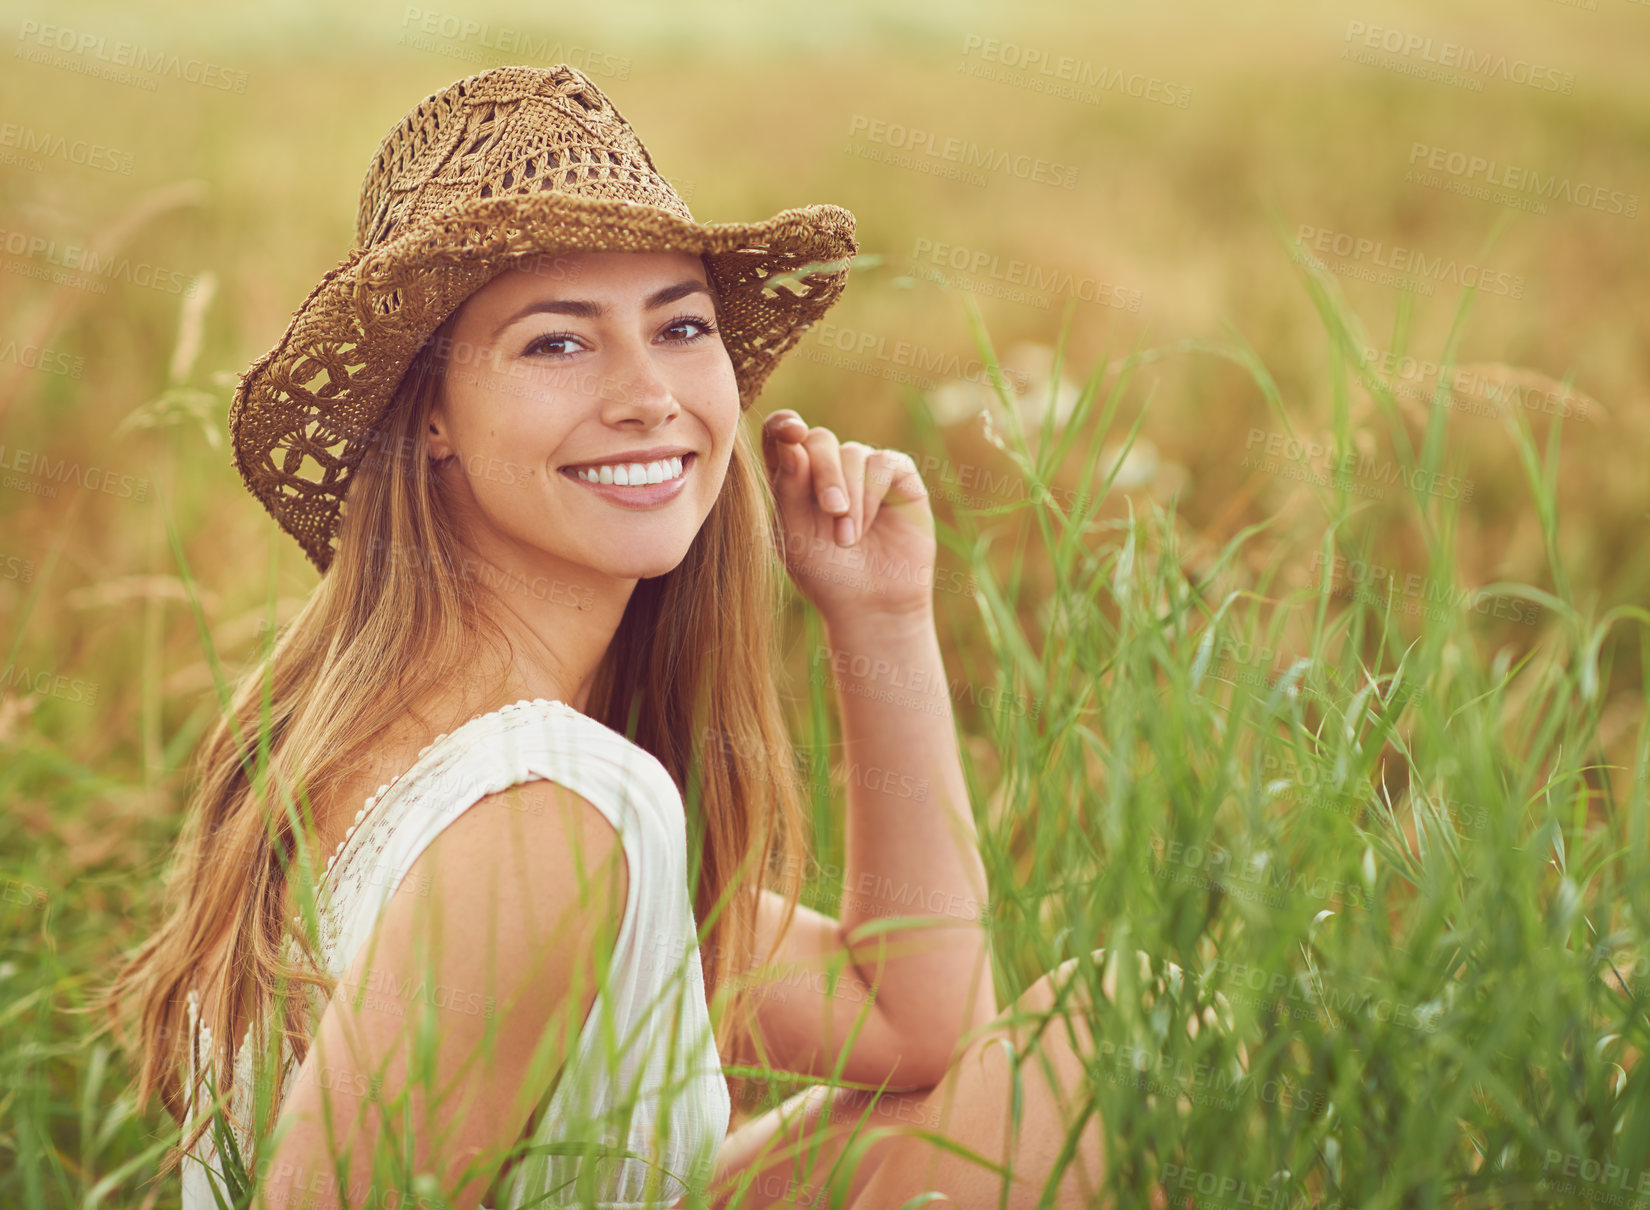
(1225, 550)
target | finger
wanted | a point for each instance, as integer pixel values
(829, 486)
(780, 430)
(886, 471)
(904, 484)
(851, 526)
(792, 488)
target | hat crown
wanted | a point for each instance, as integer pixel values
(509, 130)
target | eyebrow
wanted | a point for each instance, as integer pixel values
(585, 309)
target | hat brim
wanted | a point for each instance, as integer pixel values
(305, 413)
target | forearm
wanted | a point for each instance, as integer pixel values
(911, 845)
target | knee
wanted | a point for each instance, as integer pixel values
(1061, 998)
(852, 1107)
(1070, 986)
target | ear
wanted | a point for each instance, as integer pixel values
(440, 444)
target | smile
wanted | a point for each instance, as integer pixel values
(635, 484)
(632, 474)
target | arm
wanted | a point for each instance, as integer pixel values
(911, 851)
(857, 534)
(911, 846)
(527, 889)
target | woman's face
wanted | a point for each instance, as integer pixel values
(604, 366)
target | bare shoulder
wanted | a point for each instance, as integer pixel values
(529, 873)
(471, 990)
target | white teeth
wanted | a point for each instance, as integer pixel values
(633, 474)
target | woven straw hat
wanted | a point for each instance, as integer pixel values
(495, 169)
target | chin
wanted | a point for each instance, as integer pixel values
(643, 571)
(641, 565)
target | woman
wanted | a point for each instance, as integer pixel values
(546, 616)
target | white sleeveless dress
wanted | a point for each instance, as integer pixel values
(654, 1001)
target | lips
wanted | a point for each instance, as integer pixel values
(650, 454)
(665, 485)
(631, 474)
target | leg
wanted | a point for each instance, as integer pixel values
(973, 1102)
(785, 1156)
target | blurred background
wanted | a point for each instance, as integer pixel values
(1469, 180)
(1163, 174)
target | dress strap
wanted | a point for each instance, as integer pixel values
(530, 740)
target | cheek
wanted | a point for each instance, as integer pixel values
(714, 378)
(727, 412)
(717, 390)
(726, 430)
(513, 418)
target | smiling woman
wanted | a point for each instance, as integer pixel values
(621, 351)
(545, 632)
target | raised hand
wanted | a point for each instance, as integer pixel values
(855, 524)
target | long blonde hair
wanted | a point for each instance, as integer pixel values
(688, 675)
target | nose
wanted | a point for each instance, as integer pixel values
(636, 392)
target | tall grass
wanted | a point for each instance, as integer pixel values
(1371, 896)
(1373, 899)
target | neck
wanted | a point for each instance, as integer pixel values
(558, 620)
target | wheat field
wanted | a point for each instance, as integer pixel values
(1278, 372)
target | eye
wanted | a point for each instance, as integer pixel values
(547, 343)
(687, 328)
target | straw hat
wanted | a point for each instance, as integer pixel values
(500, 167)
